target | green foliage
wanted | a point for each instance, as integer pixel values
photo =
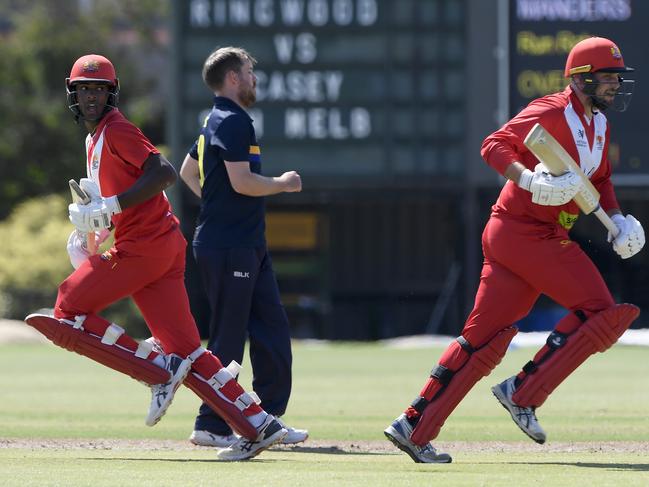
(40, 145)
(34, 262)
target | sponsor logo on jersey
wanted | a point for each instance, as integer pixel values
(567, 220)
(244, 275)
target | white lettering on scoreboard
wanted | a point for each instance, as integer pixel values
(302, 86)
(573, 10)
(289, 13)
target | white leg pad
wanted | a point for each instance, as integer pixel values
(77, 324)
(144, 348)
(196, 354)
(255, 397)
(244, 401)
(222, 377)
(112, 334)
(234, 368)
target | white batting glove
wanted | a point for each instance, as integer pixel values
(549, 190)
(95, 215)
(77, 246)
(90, 187)
(631, 238)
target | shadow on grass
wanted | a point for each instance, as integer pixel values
(330, 450)
(636, 467)
(325, 450)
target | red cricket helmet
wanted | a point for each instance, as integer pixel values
(92, 68)
(595, 54)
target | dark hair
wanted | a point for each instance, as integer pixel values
(220, 62)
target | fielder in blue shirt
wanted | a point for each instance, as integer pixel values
(223, 168)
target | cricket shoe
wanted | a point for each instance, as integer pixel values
(294, 435)
(163, 394)
(270, 432)
(399, 433)
(524, 417)
(207, 438)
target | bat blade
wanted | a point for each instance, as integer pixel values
(80, 197)
(547, 150)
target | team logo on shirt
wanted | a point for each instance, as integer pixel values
(95, 162)
(599, 140)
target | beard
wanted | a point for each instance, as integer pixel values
(247, 96)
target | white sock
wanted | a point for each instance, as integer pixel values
(258, 419)
(159, 360)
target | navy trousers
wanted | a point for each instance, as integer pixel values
(244, 301)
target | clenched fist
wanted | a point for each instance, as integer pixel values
(292, 182)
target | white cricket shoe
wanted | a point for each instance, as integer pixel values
(163, 394)
(270, 432)
(294, 435)
(399, 433)
(524, 417)
(207, 438)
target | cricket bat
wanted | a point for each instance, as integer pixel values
(547, 150)
(80, 197)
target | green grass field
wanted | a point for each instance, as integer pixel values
(65, 421)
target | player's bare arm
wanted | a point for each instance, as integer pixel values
(190, 174)
(250, 184)
(158, 175)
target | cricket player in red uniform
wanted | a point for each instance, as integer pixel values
(126, 180)
(528, 252)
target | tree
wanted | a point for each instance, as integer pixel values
(40, 147)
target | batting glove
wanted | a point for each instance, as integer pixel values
(549, 190)
(90, 187)
(77, 246)
(96, 215)
(631, 238)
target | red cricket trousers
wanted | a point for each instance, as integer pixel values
(523, 260)
(155, 282)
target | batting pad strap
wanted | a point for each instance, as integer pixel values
(419, 404)
(77, 324)
(196, 353)
(144, 349)
(234, 368)
(245, 400)
(112, 334)
(556, 340)
(530, 367)
(464, 343)
(442, 374)
(222, 377)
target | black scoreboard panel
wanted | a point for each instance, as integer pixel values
(542, 32)
(347, 89)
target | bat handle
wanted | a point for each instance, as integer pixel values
(606, 221)
(92, 243)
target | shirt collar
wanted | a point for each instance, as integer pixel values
(104, 120)
(576, 102)
(223, 102)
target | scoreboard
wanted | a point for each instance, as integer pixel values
(349, 91)
(542, 32)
